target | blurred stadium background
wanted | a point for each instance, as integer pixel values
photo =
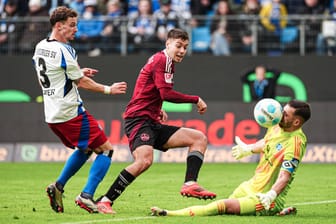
(305, 75)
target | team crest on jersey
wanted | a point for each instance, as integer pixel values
(144, 137)
(278, 147)
(169, 77)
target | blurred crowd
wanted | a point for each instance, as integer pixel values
(147, 22)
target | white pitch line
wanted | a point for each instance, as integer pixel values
(150, 217)
(109, 220)
(316, 202)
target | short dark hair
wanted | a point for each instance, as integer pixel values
(302, 109)
(261, 66)
(61, 14)
(178, 34)
(12, 2)
(165, 2)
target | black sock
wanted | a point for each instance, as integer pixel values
(194, 163)
(86, 195)
(123, 180)
(59, 187)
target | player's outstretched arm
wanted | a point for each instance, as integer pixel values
(242, 149)
(89, 84)
(118, 88)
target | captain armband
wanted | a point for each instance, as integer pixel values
(290, 166)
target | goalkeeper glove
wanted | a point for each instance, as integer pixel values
(241, 149)
(267, 198)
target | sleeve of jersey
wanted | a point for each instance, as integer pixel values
(163, 78)
(293, 154)
(173, 96)
(70, 64)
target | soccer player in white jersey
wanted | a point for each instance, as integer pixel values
(60, 77)
(281, 149)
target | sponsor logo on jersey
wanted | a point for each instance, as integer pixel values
(169, 77)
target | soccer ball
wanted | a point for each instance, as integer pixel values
(268, 112)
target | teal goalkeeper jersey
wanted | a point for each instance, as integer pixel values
(280, 146)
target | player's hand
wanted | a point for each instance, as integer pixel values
(241, 149)
(118, 88)
(267, 198)
(201, 106)
(163, 116)
(89, 72)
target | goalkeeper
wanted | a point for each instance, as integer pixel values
(281, 151)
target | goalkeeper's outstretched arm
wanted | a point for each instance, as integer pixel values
(242, 149)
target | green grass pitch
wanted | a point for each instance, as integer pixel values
(23, 198)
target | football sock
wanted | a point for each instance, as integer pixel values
(213, 208)
(194, 163)
(72, 165)
(123, 180)
(98, 171)
(59, 187)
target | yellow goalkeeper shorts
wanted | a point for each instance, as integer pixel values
(249, 202)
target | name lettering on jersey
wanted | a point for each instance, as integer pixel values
(169, 77)
(46, 53)
(48, 92)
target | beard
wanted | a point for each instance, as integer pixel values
(282, 123)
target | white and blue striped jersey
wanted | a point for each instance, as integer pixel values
(57, 68)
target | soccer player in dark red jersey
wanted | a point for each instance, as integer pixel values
(144, 127)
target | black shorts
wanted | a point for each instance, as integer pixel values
(144, 131)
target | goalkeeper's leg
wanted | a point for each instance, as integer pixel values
(213, 208)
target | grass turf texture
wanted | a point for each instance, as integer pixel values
(23, 198)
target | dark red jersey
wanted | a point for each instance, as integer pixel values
(154, 85)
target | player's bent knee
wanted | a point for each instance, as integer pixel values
(104, 148)
(201, 140)
(204, 139)
(144, 164)
(147, 163)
